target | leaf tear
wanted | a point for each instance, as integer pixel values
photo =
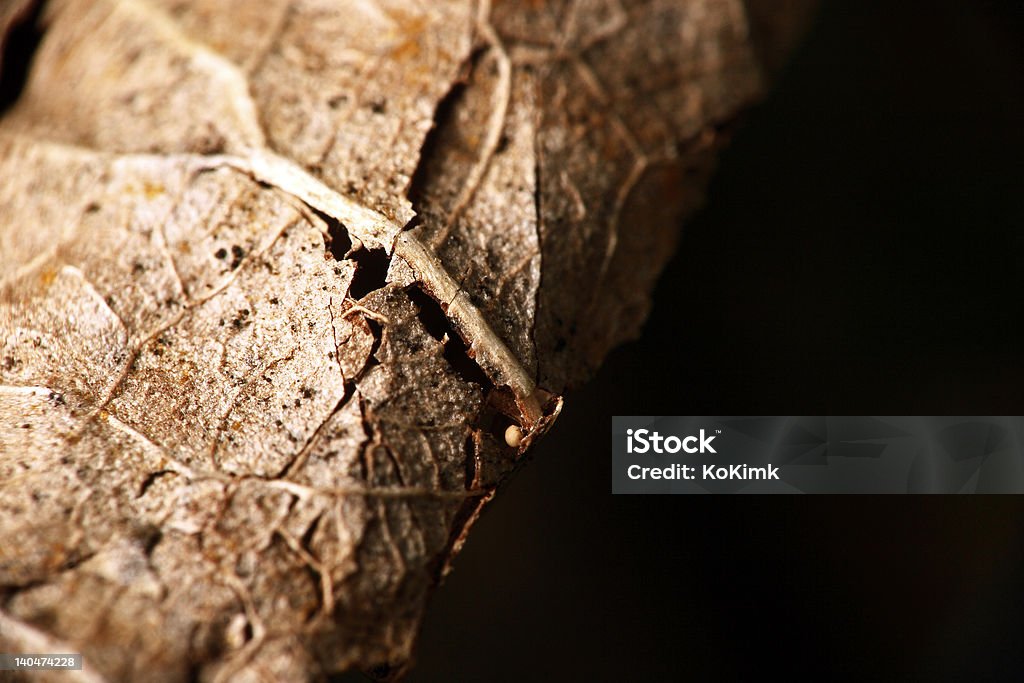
(371, 272)
(19, 40)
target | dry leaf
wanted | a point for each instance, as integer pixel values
(288, 288)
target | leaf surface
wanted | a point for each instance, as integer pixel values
(276, 281)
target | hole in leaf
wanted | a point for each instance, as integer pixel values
(378, 337)
(18, 50)
(440, 328)
(371, 272)
(150, 480)
(338, 241)
(444, 118)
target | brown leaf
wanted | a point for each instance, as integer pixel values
(281, 283)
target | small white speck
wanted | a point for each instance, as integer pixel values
(513, 436)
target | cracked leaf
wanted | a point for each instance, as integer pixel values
(277, 281)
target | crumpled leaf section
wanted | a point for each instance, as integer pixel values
(287, 289)
(196, 411)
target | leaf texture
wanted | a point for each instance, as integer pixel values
(276, 279)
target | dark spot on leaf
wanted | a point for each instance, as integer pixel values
(238, 254)
(503, 143)
(221, 253)
(149, 481)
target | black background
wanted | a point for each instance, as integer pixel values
(861, 252)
